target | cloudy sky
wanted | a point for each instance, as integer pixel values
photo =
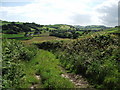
(73, 12)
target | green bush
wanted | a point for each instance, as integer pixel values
(12, 72)
(96, 58)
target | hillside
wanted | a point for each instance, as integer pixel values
(91, 27)
(96, 58)
(58, 30)
(59, 56)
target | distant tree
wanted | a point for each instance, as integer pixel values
(13, 23)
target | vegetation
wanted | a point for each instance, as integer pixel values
(12, 35)
(91, 51)
(92, 27)
(50, 71)
(59, 30)
(19, 67)
(16, 36)
(13, 53)
(96, 58)
(66, 34)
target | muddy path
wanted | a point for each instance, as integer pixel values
(78, 80)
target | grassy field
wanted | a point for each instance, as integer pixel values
(12, 35)
(43, 39)
(15, 36)
(29, 40)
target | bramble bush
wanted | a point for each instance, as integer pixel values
(13, 52)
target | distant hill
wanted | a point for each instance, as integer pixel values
(33, 28)
(7, 22)
(61, 27)
(19, 27)
(91, 27)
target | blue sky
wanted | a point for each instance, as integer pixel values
(73, 12)
(14, 4)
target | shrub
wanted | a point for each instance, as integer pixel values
(96, 58)
(12, 72)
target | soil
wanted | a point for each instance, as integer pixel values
(78, 80)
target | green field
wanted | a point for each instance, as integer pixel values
(16, 36)
(35, 39)
(12, 35)
(43, 39)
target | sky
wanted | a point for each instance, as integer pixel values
(72, 12)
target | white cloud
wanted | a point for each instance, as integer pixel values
(108, 12)
(81, 19)
(81, 12)
(52, 11)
